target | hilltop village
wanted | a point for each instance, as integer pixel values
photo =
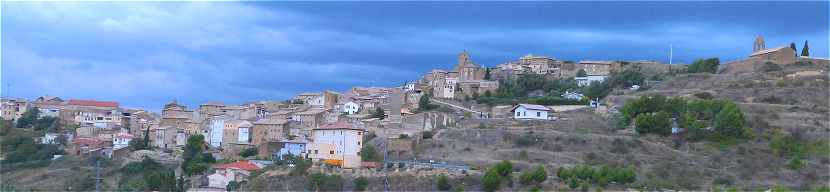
(550, 121)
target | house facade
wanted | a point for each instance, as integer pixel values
(529, 111)
(336, 143)
(351, 108)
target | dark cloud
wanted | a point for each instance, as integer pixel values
(144, 54)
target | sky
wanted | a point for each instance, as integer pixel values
(145, 54)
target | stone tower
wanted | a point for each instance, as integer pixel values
(463, 59)
(759, 44)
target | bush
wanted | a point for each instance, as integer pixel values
(601, 176)
(659, 123)
(769, 67)
(491, 180)
(361, 183)
(324, 182)
(248, 152)
(368, 153)
(443, 183)
(709, 65)
(535, 176)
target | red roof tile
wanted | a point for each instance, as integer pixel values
(243, 165)
(93, 103)
(87, 141)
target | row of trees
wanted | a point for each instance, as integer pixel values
(19, 148)
(195, 160)
(653, 114)
(805, 51)
(709, 65)
(582, 174)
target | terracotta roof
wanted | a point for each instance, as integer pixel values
(243, 165)
(338, 125)
(93, 103)
(87, 141)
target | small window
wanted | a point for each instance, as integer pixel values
(331, 152)
(518, 113)
(538, 114)
(358, 143)
(316, 152)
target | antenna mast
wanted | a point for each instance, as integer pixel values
(671, 52)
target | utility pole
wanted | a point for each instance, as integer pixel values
(98, 176)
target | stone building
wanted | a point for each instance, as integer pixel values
(175, 115)
(266, 130)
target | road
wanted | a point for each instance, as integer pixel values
(478, 114)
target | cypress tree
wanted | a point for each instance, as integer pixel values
(146, 144)
(805, 52)
(792, 46)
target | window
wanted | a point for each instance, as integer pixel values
(359, 133)
(331, 152)
(316, 152)
(518, 113)
(524, 113)
(358, 143)
(538, 114)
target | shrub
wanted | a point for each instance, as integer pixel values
(324, 182)
(535, 176)
(491, 180)
(769, 67)
(368, 153)
(443, 183)
(361, 183)
(526, 140)
(658, 123)
(248, 152)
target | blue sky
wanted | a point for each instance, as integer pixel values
(144, 54)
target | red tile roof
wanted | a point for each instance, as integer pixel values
(87, 141)
(243, 165)
(93, 103)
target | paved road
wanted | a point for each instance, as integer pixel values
(475, 113)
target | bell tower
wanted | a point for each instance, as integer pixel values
(759, 44)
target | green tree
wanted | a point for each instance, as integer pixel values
(487, 74)
(379, 113)
(232, 186)
(504, 168)
(323, 182)
(248, 152)
(792, 46)
(147, 138)
(29, 118)
(193, 155)
(709, 65)
(361, 183)
(657, 123)
(368, 153)
(597, 90)
(491, 180)
(805, 51)
(729, 122)
(534, 176)
(443, 183)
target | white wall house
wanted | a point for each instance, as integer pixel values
(587, 80)
(529, 111)
(351, 107)
(121, 140)
(449, 87)
(339, 141)
(49, 112)
(217, 127)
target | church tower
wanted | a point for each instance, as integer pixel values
(759, 44)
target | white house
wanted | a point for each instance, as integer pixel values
(351, 107)
(49, 112)
(529, 111)
(121, 140)
(587, 80)
(449, 87)
(338, 143)
(225, 173)
(573, 95)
